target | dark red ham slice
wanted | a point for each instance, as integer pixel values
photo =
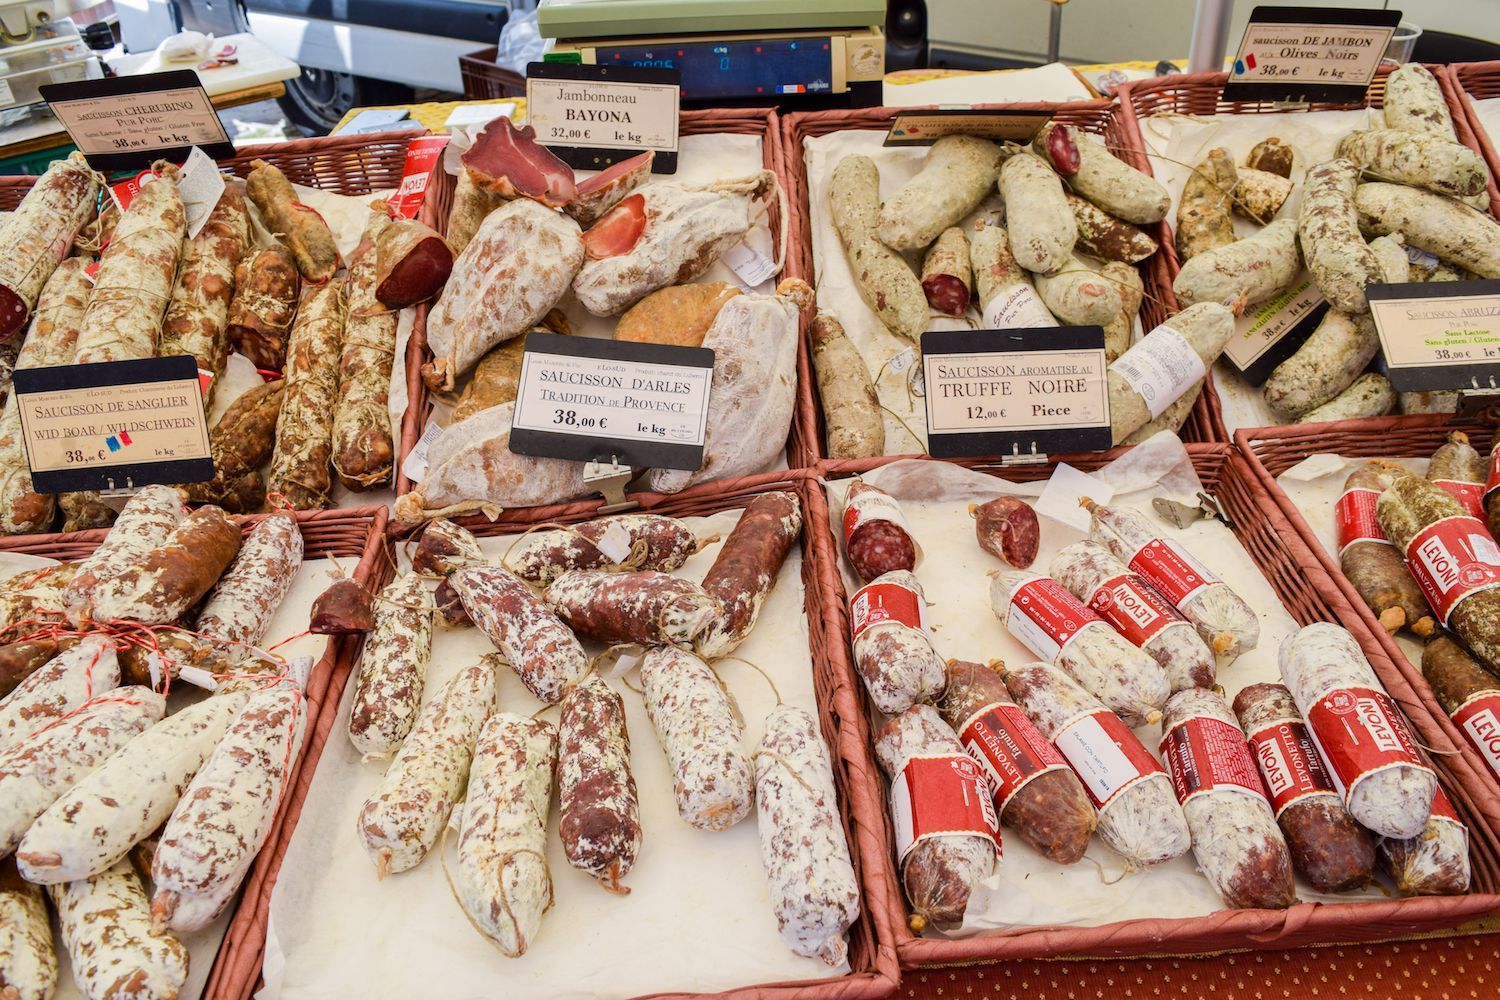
(509, 161)
(412, 264)
(618, 231)
(598, 194)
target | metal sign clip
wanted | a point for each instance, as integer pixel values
(1017, 457)
(1480, 402)
(609, 480)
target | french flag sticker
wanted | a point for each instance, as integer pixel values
(1247, 63)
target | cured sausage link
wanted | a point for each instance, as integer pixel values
(746, 567)
(106, 926)
(600, 821)
(38, 234)
(542, 651)
(393, 669)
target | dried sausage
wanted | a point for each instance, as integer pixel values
(240, 443)
(1358, 730)
(1139, 817)
(947, 834)
(884, 280)
(677, 314)
(1424, 161)
(712, 780)
(1165, 365)
(1094, 172)
(1328, 230)
(106, 926)
(947, 275)
(363, 452)
(599, 816)
(622, 541)
(892, 650)
(1436, 861)
(300, 228)
(346, 608)
(161, 586)
(64, 683)
(746, 568)
(503, 880)
(198, 313)
(1414, 102)
(539, 648)
(645, 606)
(1103, 236)
(814, 892)
(402, 820)
(877, 539)
(1235, 838)
(304, 431)
(241, 605)
(28, 963)
(1449, 229)
(956, 174)
(1457, 468)
(1468, 693)
(1371, 562)
(19, 660)
(851, 407)
(1329, 849)
(1137, 611)
(392, 669)
(1370, 395)
(37, 235)
(1038, 221)
(266, 290)
(472, 204)
(1240, 274)
(1007, 529)
(1036, 794)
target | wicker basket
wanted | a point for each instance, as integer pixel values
(1270, 451)
(1299, 580)
(747, 121)
(1100, 117)
(358, 534)
(1477, 81)
(872, 955)
(484, 81)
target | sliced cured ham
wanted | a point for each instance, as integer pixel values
(603, 191)
(510, 162)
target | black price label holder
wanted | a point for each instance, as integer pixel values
(126, 123)
(113, 425)
(1305, 54)
(657, 134)
(614, 405)
(1016, 395)
(925, 127)
(1440, 335)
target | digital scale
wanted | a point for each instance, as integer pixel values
(829, 52)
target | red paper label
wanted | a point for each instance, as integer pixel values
(1133, 607)
(1359, 731)
(1209, 755)
(1469, 495)
(942, 795)
(125, 191)
(1105, 755)
(1289, 763)
(1010, 749)
(868, 505)
(1451, 559)
(1046, 617)
(885, 601)
(1443, 809)
(1177, 575)
(1479, 719)
(421, 156)
(1355, 512)
(1493, 482)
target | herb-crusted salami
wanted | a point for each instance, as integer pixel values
(224, 817)
(300, 228)
(106, 926)
(363, 453)
(136, 272)
(304, 432)
(542, 651)
(814, 891)
(392, 669)
(600, 820)
(401, 822)
(198, 314)
(713, 781)
(240, 443)
(266, 287)
(502, 875)
(37, 235)
(645, 606)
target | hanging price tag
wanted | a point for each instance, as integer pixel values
(1271, 332)
(127, 122)
(1443, 335)
(1310, 54)
(594, 116)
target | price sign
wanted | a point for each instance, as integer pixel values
(923, 128)
(1310, 54)
(587, 399)
(114, 424)
(1438, 336)
(127, 122)
(1269, 333)
(594, 116)
(999, 392)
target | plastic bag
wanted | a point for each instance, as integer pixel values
(520, 42)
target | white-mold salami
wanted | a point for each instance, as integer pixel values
(61, 685)
(892, 651)
(542, 651)
(599, 816)
(106, 926)
(393, 668)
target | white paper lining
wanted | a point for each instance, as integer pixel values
(313, 577)
(1176, 143)
(1488, 112)
(1028, 890)
(905, 413)
(698, 917)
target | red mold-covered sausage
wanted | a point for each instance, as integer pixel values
(600, 818)
(645, 607)
(1007, 529)
(509, 161)
(948, 837)
(1235, 838)
(538, 647)
(745, 569)
(624, 541)
(877, 538)
(1036, 794)
(601, 192)
(1329, 849)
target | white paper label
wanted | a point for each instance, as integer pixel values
(299, 669)
(1341, 54)
(1421, 257)
(1017, 308)
(1263, 325)
(198, 677)
(615, 542)
(201, 185)
(1095, 757)
(598, 114)
(612, 400)
(415, 466)
(1161, 367)
(749, 265)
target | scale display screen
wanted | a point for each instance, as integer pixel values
(735, 69)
